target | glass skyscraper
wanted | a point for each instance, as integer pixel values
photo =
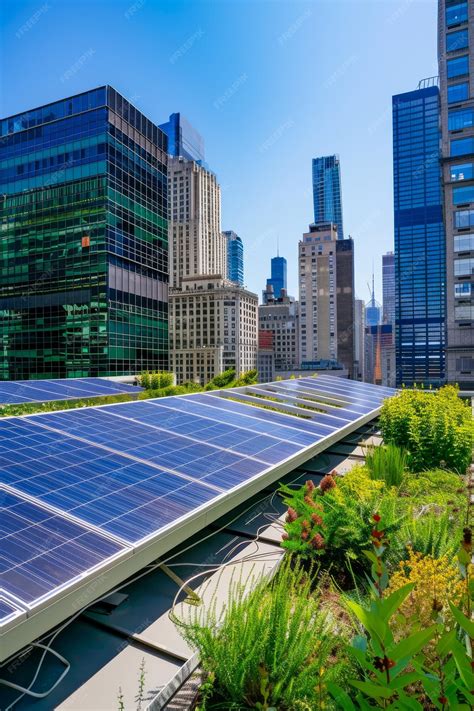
(84, 248)
(278, 277)
(388, 286)
(419, 238)
(327, 196)
(183, 139)
(235, 257)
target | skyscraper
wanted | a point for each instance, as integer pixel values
(419, 238)
(84, 264)
(456, 72)
(373, 311)
(388, 287)
(183, 139)
(326, 295)
(327, 196)
(197, 244)
(278, 278)
(235, 257)
(213, 320)
(359, 339)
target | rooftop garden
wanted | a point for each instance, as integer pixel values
(371, 606)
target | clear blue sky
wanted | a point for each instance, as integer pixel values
(269, 84)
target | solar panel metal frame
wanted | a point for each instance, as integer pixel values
(22, 630)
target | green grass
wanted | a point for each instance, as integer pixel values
(386, 463)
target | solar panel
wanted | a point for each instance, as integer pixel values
(82, 488)
(24, 391)
(42, 550)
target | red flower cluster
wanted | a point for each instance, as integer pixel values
(378, 536)
(316, 519)
(317, 542)
(309, 487)
(327, 483)
(291, 515)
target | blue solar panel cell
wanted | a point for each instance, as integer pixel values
(236, 421)
(23, 391)
(259, 413)
(7, 610)
(42, 550)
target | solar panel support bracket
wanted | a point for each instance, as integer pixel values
(192, 597)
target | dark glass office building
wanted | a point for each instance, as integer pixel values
(183, 139)
(419, 239)
(84, 243)
(327, 195)
(278, 277)
(235, 257)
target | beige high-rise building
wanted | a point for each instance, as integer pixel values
(213, 321)
(326, 296)
(213, 327)
(196, 242)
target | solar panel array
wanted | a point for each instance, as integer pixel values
(18, 392)
(84, 488)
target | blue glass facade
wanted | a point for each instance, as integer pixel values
(235, 257)
(183, 140)
(278, 277)
(84, 246)
(327, 195)
(420, 260)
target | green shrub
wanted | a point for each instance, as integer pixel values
(268, 649)
(223, 379)
(386, 463)
(155, 380)
(333, 522)
(436, 428)
(248, 378)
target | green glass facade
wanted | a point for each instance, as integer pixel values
(84, 244)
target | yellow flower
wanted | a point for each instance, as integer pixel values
(437, 581)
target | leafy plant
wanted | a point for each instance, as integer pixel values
(386, 463)
(436, 428)
(270, 649)
(333, 520)
(396, 672)
(436, 582)
(155, 380)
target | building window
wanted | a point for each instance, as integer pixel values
(463, 267)
(457, 67)
(458, 92)
(464, 194)
(462, 291)
(463, 218)
(464, 243)
(455, 14)
(456, 40)
(462, 146)
(460, 118)
(463, 171)
(464, 313)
